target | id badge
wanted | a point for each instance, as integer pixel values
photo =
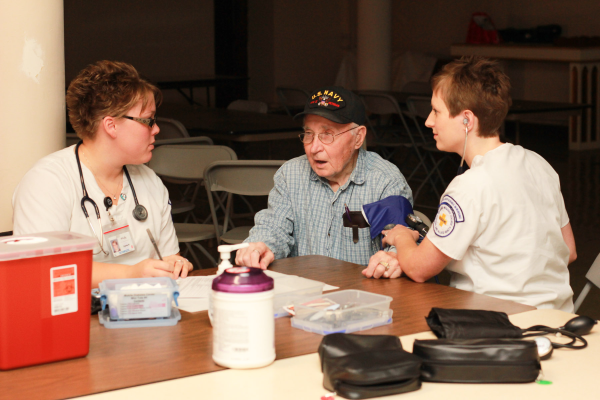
(119, 239)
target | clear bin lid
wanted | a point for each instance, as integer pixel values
(43, 244)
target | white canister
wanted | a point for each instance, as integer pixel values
(243, 322)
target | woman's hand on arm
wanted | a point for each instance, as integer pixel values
(418, 262)
(383, 264)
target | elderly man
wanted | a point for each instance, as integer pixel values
(307, 211)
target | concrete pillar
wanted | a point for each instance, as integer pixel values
(374, 44)
(32, 91)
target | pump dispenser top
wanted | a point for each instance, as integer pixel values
(225, 251)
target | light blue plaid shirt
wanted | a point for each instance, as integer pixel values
(304, 215)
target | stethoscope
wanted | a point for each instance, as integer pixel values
(139, 212)
(462, 169)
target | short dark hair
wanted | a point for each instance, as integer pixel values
(105, 88)
(477, 84)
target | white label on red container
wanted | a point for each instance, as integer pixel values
(143, 305)
(63, 289)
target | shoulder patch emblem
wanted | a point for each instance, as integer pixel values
(445, 220)
(460, 217)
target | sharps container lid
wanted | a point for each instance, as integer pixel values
(242, 280)
(43, 244)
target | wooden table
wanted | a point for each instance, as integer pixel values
(121, 358)
(199, 81)
(236, 126)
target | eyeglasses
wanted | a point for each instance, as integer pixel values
(149, 122)
(325, 138)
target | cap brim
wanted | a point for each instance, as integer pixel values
(321, 112)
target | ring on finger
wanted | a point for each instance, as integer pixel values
(385, 264)
(258, 251)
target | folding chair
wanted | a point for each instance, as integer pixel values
(249, 105)
(174, 132)
(391, 137)
(292, 99)
(170, 129)
(205, 140)
(420, 107)
(593, 277)
(188, 162)
(241, 177)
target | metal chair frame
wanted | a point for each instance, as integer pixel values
(239, 177)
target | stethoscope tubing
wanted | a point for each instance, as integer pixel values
(140, 213)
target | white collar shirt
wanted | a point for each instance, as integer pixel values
(501, 222)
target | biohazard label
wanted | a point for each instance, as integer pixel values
(63, 289)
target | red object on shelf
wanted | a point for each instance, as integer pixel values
(45, 294)
(482, 30)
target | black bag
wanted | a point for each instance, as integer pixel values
(365, 366)
(478, 360)
(471, 324)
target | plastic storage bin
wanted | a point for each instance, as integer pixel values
(131, 303)
(344, 311)
(291, 288)
(45, 286)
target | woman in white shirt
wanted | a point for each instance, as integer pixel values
(501, 227)
(100, 186)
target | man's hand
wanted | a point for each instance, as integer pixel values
(389, 237)
(256, 255)
(383, 265)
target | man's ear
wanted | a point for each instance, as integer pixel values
(360, 137)
(109, 125)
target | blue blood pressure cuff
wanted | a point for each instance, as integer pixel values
(391, 210)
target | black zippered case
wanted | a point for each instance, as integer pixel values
(478, 360)
(366, 366)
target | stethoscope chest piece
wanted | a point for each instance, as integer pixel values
(140, 213)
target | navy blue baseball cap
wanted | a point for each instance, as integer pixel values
(336, 104)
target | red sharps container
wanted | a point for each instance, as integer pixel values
(45, 286)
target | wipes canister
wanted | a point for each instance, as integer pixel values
(243, 322)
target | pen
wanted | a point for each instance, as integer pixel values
(154, 244)
(348, 212)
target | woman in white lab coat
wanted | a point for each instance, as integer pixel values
(101, 187)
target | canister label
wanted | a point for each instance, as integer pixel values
(63, 289)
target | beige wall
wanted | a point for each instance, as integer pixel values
(32, 111)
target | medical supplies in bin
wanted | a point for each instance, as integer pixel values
(289, 288)
(344, 311)
(138, 302)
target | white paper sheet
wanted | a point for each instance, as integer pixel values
(194, 291)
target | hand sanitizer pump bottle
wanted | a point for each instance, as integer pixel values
(242, 315)
(225, 252)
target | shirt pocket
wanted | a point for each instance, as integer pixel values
(360, 252)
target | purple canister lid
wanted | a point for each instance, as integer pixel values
(242, 280)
